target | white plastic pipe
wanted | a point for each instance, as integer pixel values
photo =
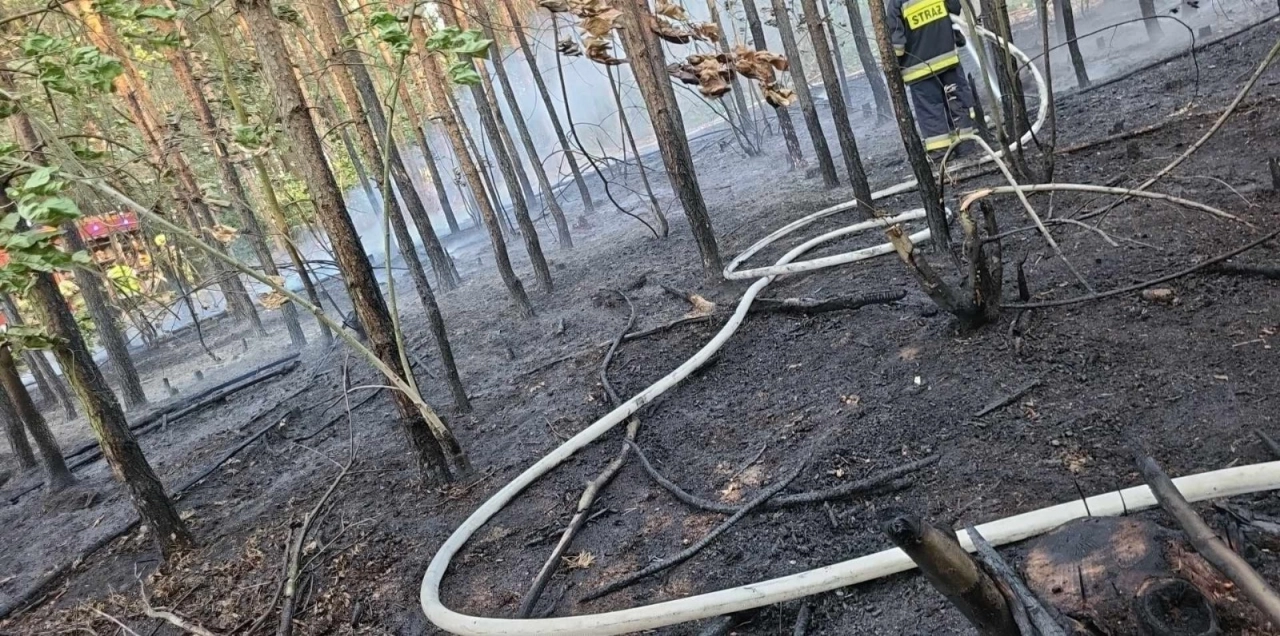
(1218, 484)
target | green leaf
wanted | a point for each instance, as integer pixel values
(9, 222)
(155, 13)
(38, 179)
(463, 73)
(471, 42)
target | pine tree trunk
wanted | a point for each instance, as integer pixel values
(522, 129)
(800, 84)
(647, 65)
(745, 119)
(40, 366)
(484, 164)
(16, 435)
(1148, 9)
(794, 153)
(492, 126)
(331, 34)
(57, 476)
(839, 109)
(439, 88)
(362, 286)
(532, 59)
(995, 15)
(232, 187)
(130, 86)
(930, 194)
(275, 213)
(870, 67)
(664, 228)
(119, 447)
(508, 144)
(836, 53)
(1067, 18)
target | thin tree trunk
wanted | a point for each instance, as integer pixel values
(362, 286)
(794, 153)
(532, 59)
(57, 476)
(430, 106)
(995, 15)
(1067, 19)
(232, 187)
(801, 86)
(275, 212)
(522, 129)
(146, 117)
(492, 125)
(40, 366)
(484, 165)
(870, 67)
(14, 432)
(645, 52)
(839, 108)
(1148, 9)
(508, 144)
(664, 228)
(836, 53)
(332, 34)
(935, 214)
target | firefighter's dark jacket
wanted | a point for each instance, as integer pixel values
(922, 38)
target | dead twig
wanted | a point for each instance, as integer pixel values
(1143, 285)
(115, 620)
(593, 487)
(865, 485)
(1269, 442)
(1008, 399)
(802, 620)
(1039, 616)
(1265, 271)
(1232, 565)
(818, 305)
(688, 553)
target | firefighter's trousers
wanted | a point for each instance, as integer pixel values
(943, 104)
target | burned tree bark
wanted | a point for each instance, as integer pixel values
(1067, 18)
(232, 187)
(57, 476)
(522, 129)
(664, 228)
(334, 34)
(930, 194)
(532, 59)
(41, 369)
(439, 88)
(362, 286)
(794, 153)
(801, 85)
(1148, 9)
(16, 435)
(645, 51)
(869, 66)
(839, 108)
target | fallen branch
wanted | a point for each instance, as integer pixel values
(1232, 565)
(1265, 271)
(115, 620)
(593, 487)
(170, 617)
(688, 553)
(1040, 617)
(865, 485)
(1269, 442)
(815, 305)
(977, 195)
(801, 627)
(1143, 285)
(1008, 399)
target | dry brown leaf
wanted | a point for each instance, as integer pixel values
(779, 96)
(683, 72)
(273, 300)
(222, 233)
(565, 47)
(759, 65)
(579, 561)
(554, 6)
(601, 24)
(673, 11)
(706, 31)
(713, 73)
(669, 32)
(701, 306)
(599, 50)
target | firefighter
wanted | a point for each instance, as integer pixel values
(926, 45)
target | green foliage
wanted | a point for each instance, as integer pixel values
(286, 13)
(26, 337)
(391, 29)
(64, 68)
(252, 136)
(28, 230)
(459, 47)
(130, 20)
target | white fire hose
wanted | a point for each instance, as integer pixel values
(1221, 483)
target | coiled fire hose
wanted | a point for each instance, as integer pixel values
(1221, 483)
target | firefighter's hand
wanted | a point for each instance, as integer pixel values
(960, 41)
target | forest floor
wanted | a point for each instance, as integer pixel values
(855, 392)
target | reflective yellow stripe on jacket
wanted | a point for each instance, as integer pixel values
(944, 141)
(930, 67)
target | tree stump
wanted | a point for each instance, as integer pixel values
(1130, 577)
